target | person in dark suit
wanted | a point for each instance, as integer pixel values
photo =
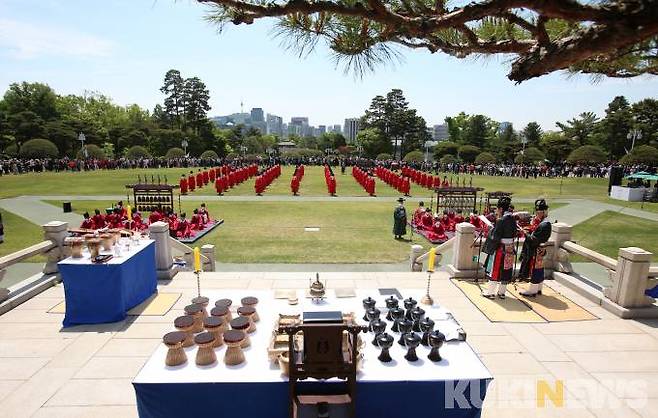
(532, 253)
(400, 220)
(499, 247)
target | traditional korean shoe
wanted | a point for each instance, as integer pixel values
(532, 291)
(489, 296)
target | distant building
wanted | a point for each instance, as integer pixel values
(440, 132)
(336, 128)
(257, 115)
(503, 126)
(322, 129)
(351, 129)
(299, 126)
(274, 125)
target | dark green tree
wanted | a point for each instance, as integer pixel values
(174, 104)
(532, 134)
(556, 146)
(615, 126)
(38, 98)
(580, 129)
(478, 131)
(196, 106)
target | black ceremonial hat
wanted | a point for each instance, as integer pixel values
(540, 204)
(504, 202)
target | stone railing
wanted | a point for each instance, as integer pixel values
(165, 245)
(630, 274)
(417, 258)
(53, 247)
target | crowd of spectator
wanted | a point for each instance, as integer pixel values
(20, 166)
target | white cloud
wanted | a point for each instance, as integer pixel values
(25, 41)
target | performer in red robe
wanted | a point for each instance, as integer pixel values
(183, 184)
(87, 222)
(437, 232)
(205, 176)
(155, 216)
(183, 230)
(205, 215)
(137, 223)
(99, 219)
(191, 181)
(294, 185)
(418, 215)
(196, 222)
(199, 179)
(123, 213)
(427, 220)
(332, 185)
(445, 182)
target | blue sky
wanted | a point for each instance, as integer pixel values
(123, 48)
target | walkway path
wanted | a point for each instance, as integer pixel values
(38, 212)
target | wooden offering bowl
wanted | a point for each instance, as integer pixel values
(94, 245)
(214, 325)
(234, 354)
(242, 323)
(248, 312)
(205, 355)
(226, 303)
(203, 301)
(196, 311)
(76, 247)
(186, 324)
(106, 241)
(251, 301)
(174, 342)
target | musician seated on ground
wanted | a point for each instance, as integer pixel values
(205, 215)
(137, 223)
(184, 228)
(122, 210)
(459, 217)
(418, 215)
(197, 221)
(155, 216)
(87, 222)
(427, 220)
(98, 219)
(437, 232)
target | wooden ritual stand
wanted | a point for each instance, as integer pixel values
(454, 198)
(329, 351)
(151, 196)
(492, 198)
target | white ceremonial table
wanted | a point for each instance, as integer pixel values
(629, 194)
(453, 387)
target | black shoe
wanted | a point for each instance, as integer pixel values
(538, 293)
(501, 296)
(490, 297)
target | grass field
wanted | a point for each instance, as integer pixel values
(608, 231)
(273, 232)
(113, 182)
(19, 233)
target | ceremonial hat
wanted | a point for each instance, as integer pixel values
(540, 204)
(504, 202)
(401, 200)
(421, 203)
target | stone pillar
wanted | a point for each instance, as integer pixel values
(159, 232)
(560, 232)
(56, 232)
(416, 251)
(464, 256)
(631, 280)
(208, 250)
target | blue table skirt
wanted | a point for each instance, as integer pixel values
(395, 399)
(101, 293)
(653, 292)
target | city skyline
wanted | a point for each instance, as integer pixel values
(72, 47)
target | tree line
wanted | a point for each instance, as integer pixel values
(627, 133)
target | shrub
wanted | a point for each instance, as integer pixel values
(587, 154)
(12, 150)
(136, 152)
(448, 159)
(38, 148)
(468, 153)
(209, 155)
(485, 158)
(93, 151)
(414, 156)
(445, 148)
(643, 154)
(174, 152)
(384, 156)
(531, 156)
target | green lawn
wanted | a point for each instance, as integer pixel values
(647, 206)
(19, 233)
(113, 182)
(608, 231)
(273, 232)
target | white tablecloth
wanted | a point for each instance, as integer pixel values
(135, 247)
(459, 360)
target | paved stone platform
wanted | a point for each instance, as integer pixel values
(609, 367)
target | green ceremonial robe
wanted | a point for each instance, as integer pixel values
(400, 221)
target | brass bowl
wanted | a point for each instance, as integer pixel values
(284, 363)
